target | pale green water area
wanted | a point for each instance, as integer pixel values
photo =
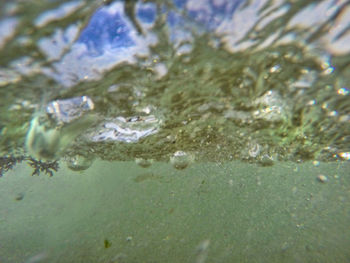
(209, 212)
(174, 131)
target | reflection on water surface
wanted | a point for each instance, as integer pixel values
(221, 80)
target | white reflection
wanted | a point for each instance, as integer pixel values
(61, 12)
(7, 30)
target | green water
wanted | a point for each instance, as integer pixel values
(230, 212)
(218, 140)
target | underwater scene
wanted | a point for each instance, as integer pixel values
(174, 131)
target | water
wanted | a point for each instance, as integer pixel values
(178, 96)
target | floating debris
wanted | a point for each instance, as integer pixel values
(19, 197)
(8, 162)
(46, 167)
(107, 243)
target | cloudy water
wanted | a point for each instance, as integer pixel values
(167, 88)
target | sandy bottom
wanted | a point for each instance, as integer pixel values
(231, 212)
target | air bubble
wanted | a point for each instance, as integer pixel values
(180, 160)
(79, 162)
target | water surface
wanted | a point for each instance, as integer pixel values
(176, 97)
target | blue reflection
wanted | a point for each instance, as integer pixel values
(146, 13)
(104, 28)
(211, 14)
(110, 26)
(180, 3)
(174, 19)
(112, 36)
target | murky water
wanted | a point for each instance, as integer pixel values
(183, 82)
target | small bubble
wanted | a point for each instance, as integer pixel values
(79, 162)
(180, 160)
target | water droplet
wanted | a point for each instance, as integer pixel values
(180, 160)
(79, 162)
